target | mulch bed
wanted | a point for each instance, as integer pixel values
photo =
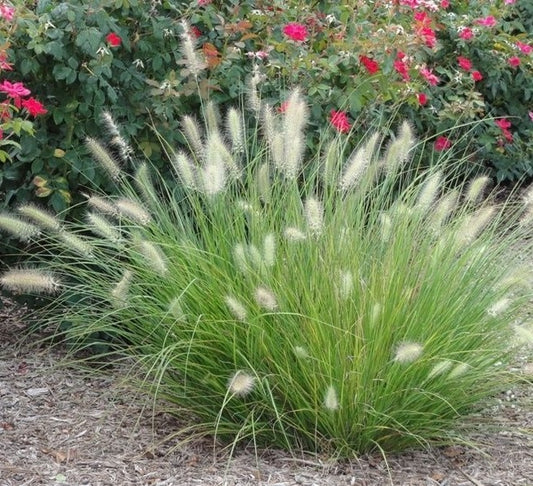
(60, 425)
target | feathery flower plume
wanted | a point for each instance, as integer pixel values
(104, 158)
(241, 383)
(213, 178)
(193, 135)
(407, 352)
(144, 183)
(269, 250)
(211, 118)
(240, 258)
(218, 152)
(40, 217)
(294, 234)
(76, 243)
(443, 210)
(440, 368)
(133, 211)
(175, 309)
(238, 311)
(120, 291)
(429, 191)
(499, 307)
(102, 205)
(154, 256)
(345, 284)
(263, 182)
(356, 166)
(185, 170)
(300, 352)
(523, 334)
(265, 298)
(254, 100)
(22, 230)
(474, 225)
(102, 227)
(386, 227)
(399, 149)
(192, 60)
(254, 256)
(236, 131)
(331, 402)
(117, 141)
(314, 215)
(476, 189)
(294, 121)
(527, 195)
(527, 216)
(330, 162)
(375, 313)
(459, 370)
(29, 280)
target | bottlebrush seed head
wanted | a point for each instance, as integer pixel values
(241, 383)
(40, 217)
(30, 281)
(20, 229)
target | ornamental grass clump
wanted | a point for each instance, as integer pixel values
(343, 305)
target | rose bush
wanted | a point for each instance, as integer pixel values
(439, 64)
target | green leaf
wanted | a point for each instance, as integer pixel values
(89, 40)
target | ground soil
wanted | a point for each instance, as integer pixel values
(62, 426)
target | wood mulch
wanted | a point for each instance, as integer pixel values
(62, 426)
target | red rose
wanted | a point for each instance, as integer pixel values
(477, 76)
(296, 32)
(371, 66)
(464, 63)
(422, 98)
(442, 143)
(34, 107)
(339, 120)
(113, 39)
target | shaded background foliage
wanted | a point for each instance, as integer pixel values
(59, 49)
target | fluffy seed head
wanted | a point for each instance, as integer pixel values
(331, 162)
(211, 117)
(265, 298)
(30, 281)
(476, 189)
(40, 217)
(236, 131)
(440, 368)
(499, 307)
(523, 334)
(459, 370)
(133, 211)
(331, 402)
(76, 244)
(154, 256)
(429, 191)
(294, 234)
(526, 217)
(238, 311)
(443, 210)
(185, 170)
(253, 98)
(294, 121)
(254, 256)
(193, 135)
(527, 196)
(474, 225)
(314, 215)
(102, 205)
(263, 182)
(385, 226)
(240, 258)
(407, 352)
(175, 309)
(192, 60)
(213, 178)
(22, 230)
(102, 227)
(217, 152)
(121, 289)
(104, 158)
(375, 313)
(345, 284)
(355, 168)
(300, 352)
(241, 383)
(118, 142)
(144, 184)
(400, 149)
(269, 250)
